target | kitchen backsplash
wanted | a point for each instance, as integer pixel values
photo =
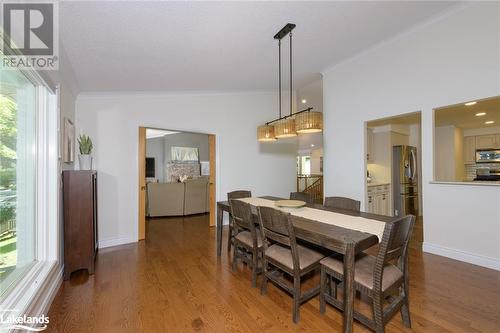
(470, 169)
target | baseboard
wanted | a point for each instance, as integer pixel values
(471, 258)
(115, 241)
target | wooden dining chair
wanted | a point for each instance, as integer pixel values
(376, 277)
(306, 197)
(247, 241)
(239, 194)
(281, 253)
(342, 203)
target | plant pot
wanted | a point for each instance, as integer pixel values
(85, 162)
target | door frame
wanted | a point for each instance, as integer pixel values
(212, 148)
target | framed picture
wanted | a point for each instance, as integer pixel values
(68, 143)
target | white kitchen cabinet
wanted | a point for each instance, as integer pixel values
(486, 141)
(379, 199)
(469, 149)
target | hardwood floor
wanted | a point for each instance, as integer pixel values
(174, 282)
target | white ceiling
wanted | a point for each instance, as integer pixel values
(182, 46)
(152, 133)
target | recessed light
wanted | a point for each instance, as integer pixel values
(489, 122)
(312, 145)
(304, 101)
(479, 114)
(470, 103)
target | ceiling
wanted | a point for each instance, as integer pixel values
(464, 117)
(221, 46)
(152, 133)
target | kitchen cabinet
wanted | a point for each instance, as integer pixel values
(379, 199)
(497, 141)
(486, 141)
(369, 145)
(469, 149)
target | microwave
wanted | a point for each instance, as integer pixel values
(488, 156)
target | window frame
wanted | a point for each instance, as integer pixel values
(24, 293)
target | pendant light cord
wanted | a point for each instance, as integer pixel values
(279, 73)
(290, 73)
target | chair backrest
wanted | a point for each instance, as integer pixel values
(276, 226)
(242, 215)
(238, 194)
(394, 246)
(306, 197)
(342, 203)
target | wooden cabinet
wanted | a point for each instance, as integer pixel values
(80, 220)
(379, 199)
(497, 140)
(369, 145)
(486, 141)
(469, 149)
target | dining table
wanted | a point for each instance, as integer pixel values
(330, 231)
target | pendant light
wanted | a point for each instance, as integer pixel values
(304, 121)
(309, 122)
(285, 128)
(265, 133)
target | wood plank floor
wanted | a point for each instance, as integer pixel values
(174, 282)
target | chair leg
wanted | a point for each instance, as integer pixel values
(235, 250)
(378, 315)
(254, 267)
(296, 299)
(263, 286)
(405, 309)
(229, 236)
(323, 284)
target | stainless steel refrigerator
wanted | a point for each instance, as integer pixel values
(404, 180)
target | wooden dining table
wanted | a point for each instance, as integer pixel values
(345, 241)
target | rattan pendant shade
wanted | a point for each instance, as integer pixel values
(266, 133)
(285, 128)
(309, 122)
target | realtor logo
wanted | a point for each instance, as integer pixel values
(30, 35)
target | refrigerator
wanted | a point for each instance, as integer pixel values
(404, 180)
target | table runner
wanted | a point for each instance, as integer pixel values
(341, 220)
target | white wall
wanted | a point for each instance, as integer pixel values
(450, 60)
(112, 120)
(444, 138)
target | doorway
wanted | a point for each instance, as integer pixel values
(394, 169)
(177, 173)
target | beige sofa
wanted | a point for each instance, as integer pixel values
(177, 199)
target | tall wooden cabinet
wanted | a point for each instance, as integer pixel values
(80, 220)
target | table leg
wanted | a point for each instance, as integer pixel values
(220, 213)
(349, 291)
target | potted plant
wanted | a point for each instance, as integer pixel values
(85, 158)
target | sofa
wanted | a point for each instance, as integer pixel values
(178, 199)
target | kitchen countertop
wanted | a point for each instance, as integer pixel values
(470, 182)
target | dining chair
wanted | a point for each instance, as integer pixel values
(282, 254)
(247, 241)
(376, 277)
(239, 194)
(342, 203)
(306, 197)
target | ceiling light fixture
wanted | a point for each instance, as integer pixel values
(470, 103)
(489, 122)
(303, 121)
(480, 114)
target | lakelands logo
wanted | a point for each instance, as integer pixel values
(30, 35)
(10, 321)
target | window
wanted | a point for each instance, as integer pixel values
(17, 176)
(304, 165)
(29, 190)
